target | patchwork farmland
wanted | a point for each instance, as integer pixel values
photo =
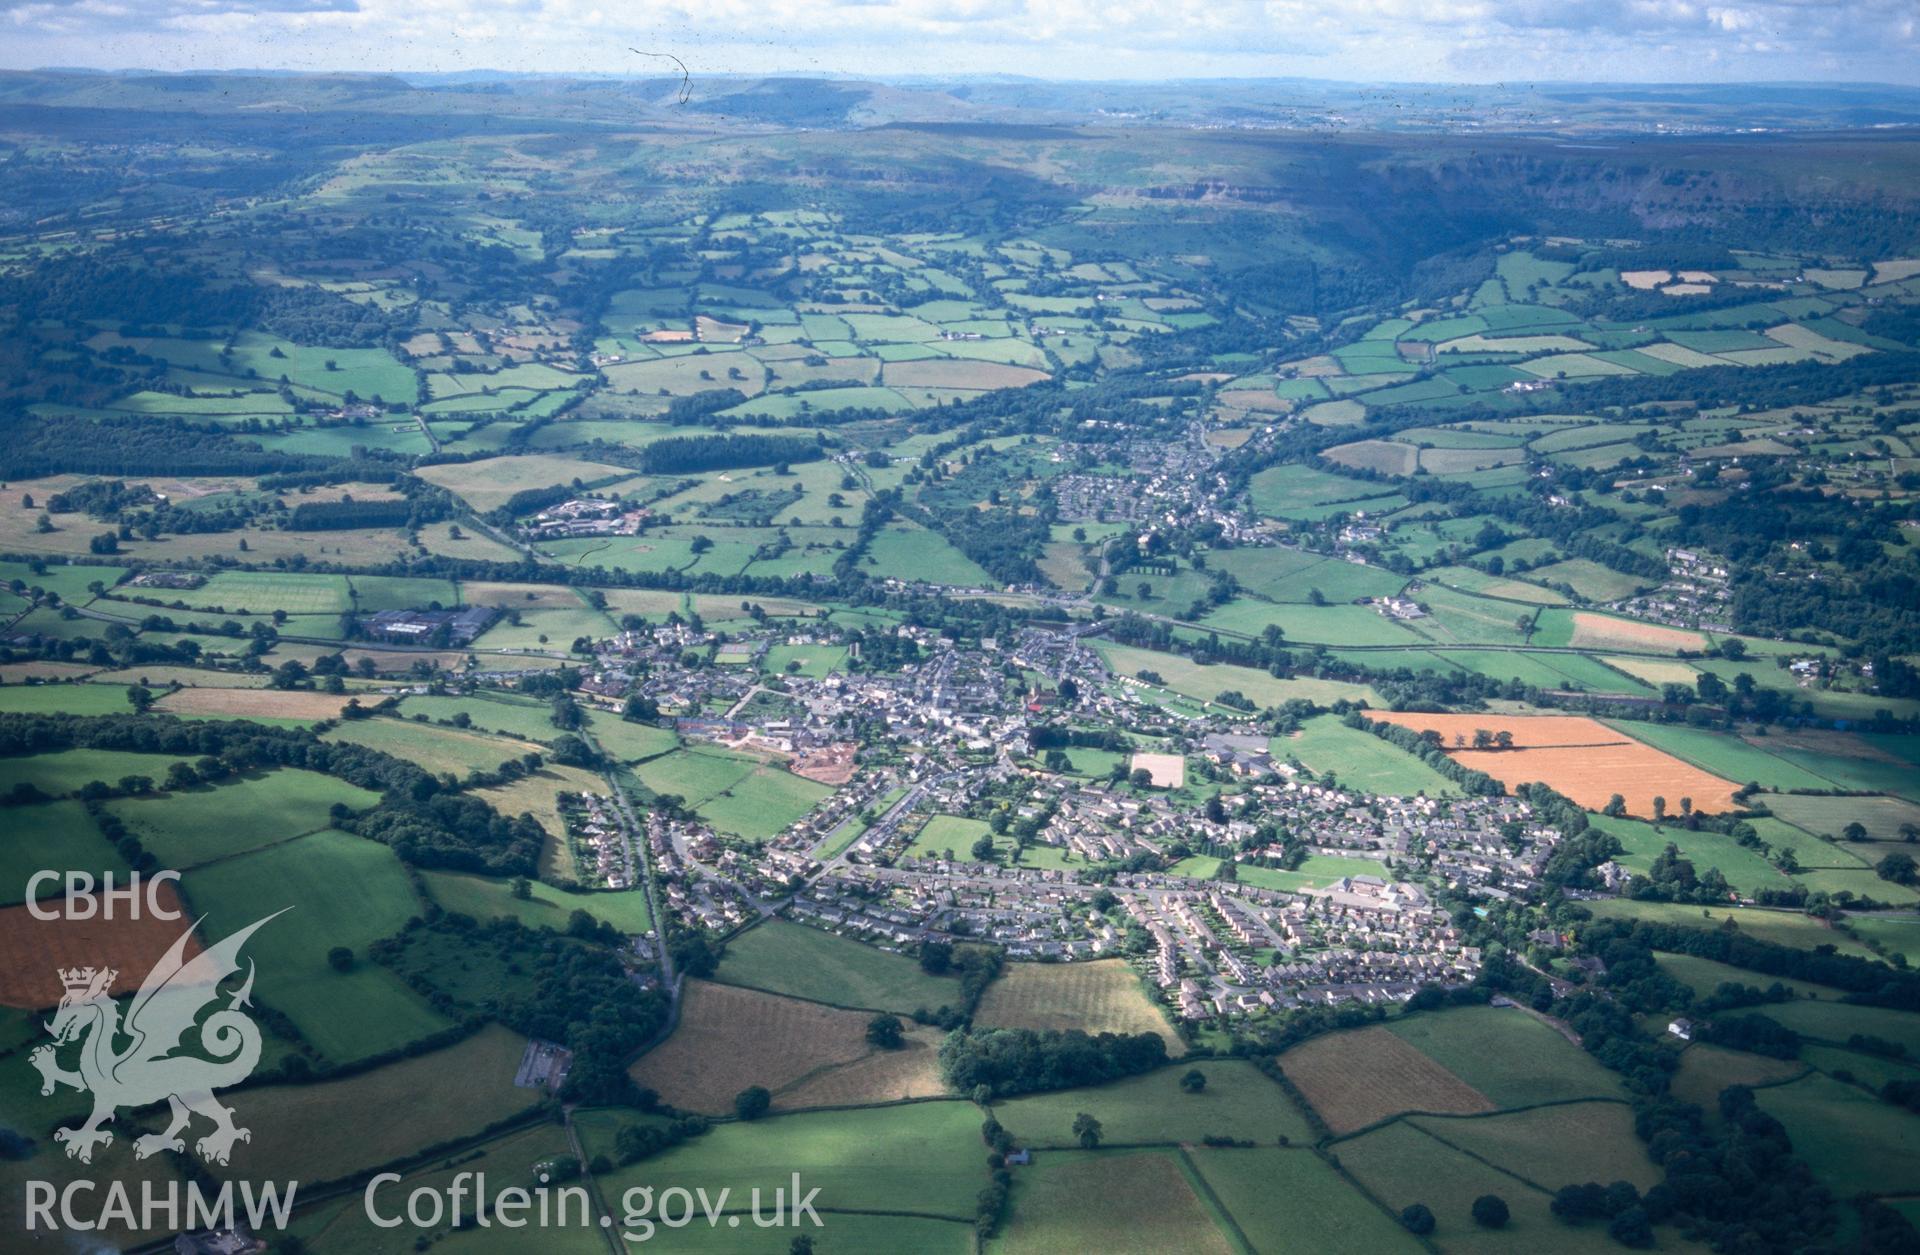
(1234, 666)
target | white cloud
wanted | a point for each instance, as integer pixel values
(1629, 40)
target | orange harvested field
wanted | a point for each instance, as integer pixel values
(254, 703)
(37, 948)
(959, 373)
(1529, 731)
(1590, 776)
(1582, 758)
(1362, 1077)
(1598, 631)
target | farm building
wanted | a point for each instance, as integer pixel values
(417, 627)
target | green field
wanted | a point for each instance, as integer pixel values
(629, 742)
(431, 747)
(1401, 1164)
(1184, 676)
(697, 772)
(1785, 928)
(1825, 1020)
(907, 552)
(1293, 575)
(947, 832)
(546, 630)
(1865, 775)
(1292, 1201)
(324, 1131)
(1457, 618)
(737, 793)
(547, 907)
(763, 803)
(1899, 936)
(1853, 1142)
(64, 699)
(71, 582)
(1072, 1201)
(490, 712)
(923, 1158)
(1330, 624)
(65, 771)
(1706, 1070)
(398, 592)
(1506, 1054)
(1318, 871)
(1882, 817)
(814, 660)
(200, 825)
(342, 1225)
(52, 836)
(1361, 760)
(263, 592)
(804, 962)
(1745, 869)
(1238, 1102)
(1280, 490)
(1554, 1146)
(1703, 976)
(1725, 756)
(342, 890)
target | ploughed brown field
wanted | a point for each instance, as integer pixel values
(1579, 757)
(37, 948)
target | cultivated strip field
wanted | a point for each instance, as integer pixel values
(1362, 1077)
(730, 1038)
(879, 1076)
(1102, 997)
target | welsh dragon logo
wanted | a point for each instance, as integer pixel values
(146, 1069)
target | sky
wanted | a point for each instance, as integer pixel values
(1480, 41)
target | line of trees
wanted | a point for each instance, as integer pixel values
(1022, 1060)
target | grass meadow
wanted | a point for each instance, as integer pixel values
(803, 962)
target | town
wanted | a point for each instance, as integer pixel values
(1064, 866)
